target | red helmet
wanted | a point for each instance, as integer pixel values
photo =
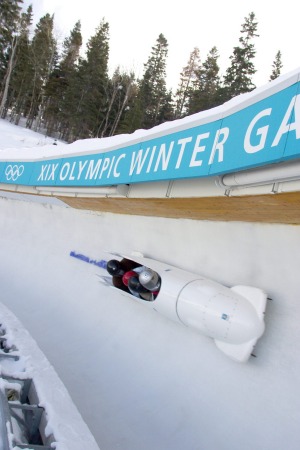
(127, 276)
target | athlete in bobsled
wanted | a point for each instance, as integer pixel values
(232, 316)
(140, 281)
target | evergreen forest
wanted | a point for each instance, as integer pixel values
(55, 90)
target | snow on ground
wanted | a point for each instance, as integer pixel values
(63, 419)
(13, 137)
(140, 381)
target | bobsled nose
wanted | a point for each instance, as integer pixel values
(219, 312)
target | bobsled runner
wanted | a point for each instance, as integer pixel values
(233, 317)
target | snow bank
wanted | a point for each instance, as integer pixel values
(63, 419)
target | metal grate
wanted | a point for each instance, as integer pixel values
(16, 409)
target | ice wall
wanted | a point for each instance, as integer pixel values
(140, 381)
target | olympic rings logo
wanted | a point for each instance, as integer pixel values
(13, 172)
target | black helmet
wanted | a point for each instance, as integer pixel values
(114, 268)
(135, 286)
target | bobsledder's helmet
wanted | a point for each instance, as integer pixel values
(135, 286)
(114, 267)
(127, 275)
(150, 279)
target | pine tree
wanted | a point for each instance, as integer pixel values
(187, 79)
(166, 112)
(92, 77)
(206, 85)
(58, 90)
(276, 66)
(17, 78)
(152, 95)
(9, 22)
(71, 49)
(42, 59)
(238, 77)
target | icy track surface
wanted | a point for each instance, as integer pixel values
(140, 381)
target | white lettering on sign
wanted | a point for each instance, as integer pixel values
(218, 145)
(197, 149)
(262, 132)
(151, 158)
(47, 172)
(138, 161)
(64, 171)
(116, 173)
(182, 143)
(162, 156)
(81, 168)
(285, 126)
(92, 171)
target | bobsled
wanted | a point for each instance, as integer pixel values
(232, 316)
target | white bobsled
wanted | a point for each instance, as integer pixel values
(233, 317)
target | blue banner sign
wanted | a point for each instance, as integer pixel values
(262, 132)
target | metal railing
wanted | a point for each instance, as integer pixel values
(16, 410)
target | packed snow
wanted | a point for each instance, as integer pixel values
(63, 419)
(140, 381)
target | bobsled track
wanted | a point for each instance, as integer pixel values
(139, 380)
(216, 194)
